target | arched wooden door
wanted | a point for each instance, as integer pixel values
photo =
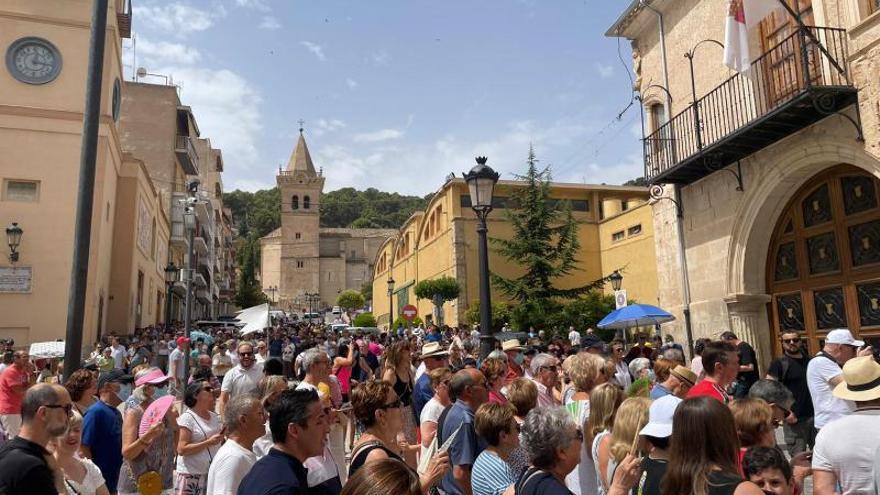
(824, 259)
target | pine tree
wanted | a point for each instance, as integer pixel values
(544, 242)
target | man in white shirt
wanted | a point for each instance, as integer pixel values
(231, 351)
(843, 458)
(245, 423)
(242, 379)
(118, 354)
(545, 377)
(574, 337)
(824, 373)
(175, 364)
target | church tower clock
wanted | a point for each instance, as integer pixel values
(300, 187)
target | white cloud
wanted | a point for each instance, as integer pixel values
(259, 5)
(351, 83)
(604, 71)
(380, 57)
(227, 109)
(325, 126)
(270, 23)
(378, 136)
(153, 54)
(177, 18)
(315, 48)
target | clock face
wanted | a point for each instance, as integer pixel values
(33, 60)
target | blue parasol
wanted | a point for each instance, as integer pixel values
(635, 315)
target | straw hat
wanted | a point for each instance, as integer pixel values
(433, 349)
(684, 374)
(861, 380)
(512, 345)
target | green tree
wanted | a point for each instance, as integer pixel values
(438, 291)
(248, 293)
(544, 244)
(364, 320)
(367, 291)
(403, 322)
(501, 314)
(638, 181)
(584, 312)
(350, 300)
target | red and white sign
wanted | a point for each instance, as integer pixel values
(743, 15)
(409, 312)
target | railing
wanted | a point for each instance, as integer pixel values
(123, 19)
(800, 62)
(185, 144)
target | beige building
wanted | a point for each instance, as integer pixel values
(303, 258)
(615, 233)
(42, 90)
(780, 221)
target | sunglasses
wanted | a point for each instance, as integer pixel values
(551, 368)
(68, 408)
(246, 354)
(791, 341)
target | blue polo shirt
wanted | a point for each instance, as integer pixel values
(102, 434)
(467, 444)
(422, 393)
(275, 474)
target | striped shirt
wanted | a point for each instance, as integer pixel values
(491, 475)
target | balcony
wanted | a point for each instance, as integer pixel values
(186, 153)
(203, 296)
(199, 280)
(123, 20)
(178, 230)
(205, 274)
(200, 246)
(793, 85)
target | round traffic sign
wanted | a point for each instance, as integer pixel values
(409, 312)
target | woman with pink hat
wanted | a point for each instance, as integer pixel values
(149, 436)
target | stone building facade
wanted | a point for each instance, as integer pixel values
(775, 174)
(615, 232)
(301, 257)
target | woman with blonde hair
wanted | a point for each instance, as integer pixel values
(148, 458)
(754, 424)
(268, 389)
(81, 476)
(631, 417)
(434, 407)
(605, 399)
(586, 371)
(398, 372)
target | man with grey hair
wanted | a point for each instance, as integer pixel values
(674, 354)
(245, 423)
(468, 388)
(824, 372)
(545, 376)
(777, 395)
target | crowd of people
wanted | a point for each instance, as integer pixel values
(303, 409)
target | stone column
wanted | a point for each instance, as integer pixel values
(747, 314)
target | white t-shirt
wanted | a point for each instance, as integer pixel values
(574, 337)
(432, 411)
(118, 356)
(90, 484)
(175, 364)
(240, 381)
(820, 371)
(229, 467)
(233, 356)
(846, 447)
(201, 429)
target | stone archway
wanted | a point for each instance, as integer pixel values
(766, 196)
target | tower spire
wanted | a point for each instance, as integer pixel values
(301, 160)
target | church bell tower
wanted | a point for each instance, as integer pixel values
(300, 187)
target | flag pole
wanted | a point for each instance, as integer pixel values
(803, 29)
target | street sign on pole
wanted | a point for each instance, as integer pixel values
(620, 298)
(409, 312)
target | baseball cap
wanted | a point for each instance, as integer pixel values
(181, 341)
(660, 417)
(113, 376)
(843, 336)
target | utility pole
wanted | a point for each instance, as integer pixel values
(79, 272)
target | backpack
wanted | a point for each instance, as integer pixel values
(530, 474)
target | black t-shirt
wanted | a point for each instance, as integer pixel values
(23, 469)
(653, 471)
(747, 356)
(538, 482)
(792, 372)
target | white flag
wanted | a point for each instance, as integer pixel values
(736, 38)
(757, 10)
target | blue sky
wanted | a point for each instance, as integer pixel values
(398, 94)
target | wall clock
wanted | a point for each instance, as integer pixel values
(33, 60)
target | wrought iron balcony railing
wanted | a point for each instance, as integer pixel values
(186, 152)
(792, 85)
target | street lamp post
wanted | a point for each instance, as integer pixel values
(616, 282)
(390, 302)
(272, 289)
(189, 222)
(481, 182)
(13, 239)
(170, 278)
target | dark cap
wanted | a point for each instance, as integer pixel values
(592, 342)
(113, 376)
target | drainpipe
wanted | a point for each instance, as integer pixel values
(660, 26)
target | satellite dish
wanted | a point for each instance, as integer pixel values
(141, 72)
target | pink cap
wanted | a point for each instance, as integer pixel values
(153, 377)
(375, 348)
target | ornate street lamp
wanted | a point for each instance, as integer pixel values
(13, 239)
(273, 289)
(390, 301)
(616, 279)
(481, 182)
(171, 273)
